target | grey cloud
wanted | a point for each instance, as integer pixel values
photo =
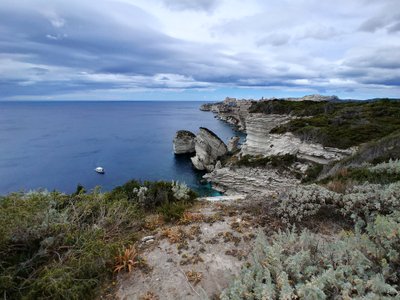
(387, 20)
(373, 24)
(274, 40)
(394, 28)
(205, 5)
(319, 32)
(383, 58)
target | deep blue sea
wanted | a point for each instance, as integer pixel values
(56, 145)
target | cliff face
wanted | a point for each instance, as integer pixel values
(258, 127)
(209, 147)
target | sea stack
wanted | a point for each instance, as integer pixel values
(184, 142)
(209, 147)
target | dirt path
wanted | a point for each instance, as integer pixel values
(195, 259)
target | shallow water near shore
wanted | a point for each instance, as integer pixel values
(56, 145)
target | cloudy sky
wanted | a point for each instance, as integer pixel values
(198, 49)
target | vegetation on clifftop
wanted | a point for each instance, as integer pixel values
(335, 124)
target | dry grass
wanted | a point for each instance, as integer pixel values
(195, 231)
(239, 254)
(191, 259)
(149, 296)
(194, 277)
(153, 222)
(344, 172)
(189, 218)
(339, 186)
(229, 237)
(174, 234)
(240, 226)
(128, 260)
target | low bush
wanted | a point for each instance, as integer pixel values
(312, 173)
(360, 202)
(151, 195)
(360, 265)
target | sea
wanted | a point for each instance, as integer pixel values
(57, 145)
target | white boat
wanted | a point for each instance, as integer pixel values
(99, 170)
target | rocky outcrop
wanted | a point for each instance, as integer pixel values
(260, 141)
(184, 142)
(209, 147)
(231, 110)
(233, 144)
(206, 107)
(256, 182)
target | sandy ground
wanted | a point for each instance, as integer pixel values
(195, 260)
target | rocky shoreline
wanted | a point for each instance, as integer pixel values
(217, 158)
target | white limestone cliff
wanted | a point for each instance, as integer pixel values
(208, 147)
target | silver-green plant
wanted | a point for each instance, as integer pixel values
(304, 201)
(360, 201)
(391, 167)
(180, 190)
(370, 199)
(360, 265)
(141, 195)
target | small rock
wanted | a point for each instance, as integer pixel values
(147, 238)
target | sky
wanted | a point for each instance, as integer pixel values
(198, 49)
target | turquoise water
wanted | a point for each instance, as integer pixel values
(56, 145)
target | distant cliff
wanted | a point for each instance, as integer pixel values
(319, 128)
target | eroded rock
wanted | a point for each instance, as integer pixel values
(208, 147)
(184, 142)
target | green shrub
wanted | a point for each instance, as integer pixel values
(360, 265)
(313, 172)
(173, 211)
(150, 195)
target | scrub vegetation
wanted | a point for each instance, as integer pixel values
(363, 263)
(58, 246)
